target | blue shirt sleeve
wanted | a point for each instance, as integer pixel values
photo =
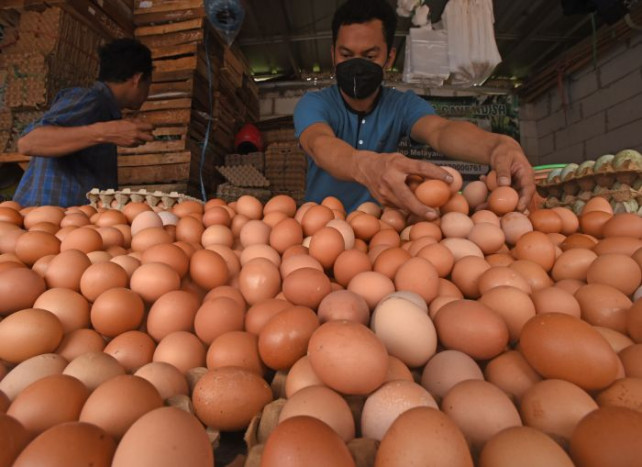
(310, 109)
(75, 107)
(414, 108)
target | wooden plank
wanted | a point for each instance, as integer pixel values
(188, 25)
(170, 131)
(171, 88)
(172, 51)
(153, 173)
(97, 19)
(168, 16)
(163, 187)
(185, 63)
(165, 76)
(155, 6)
(13, 157)
(168, 117)
(118, 11)
(154, 159)
(176, 38)
(155, 147)
(166, 104)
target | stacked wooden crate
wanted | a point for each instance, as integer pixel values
(197, 80)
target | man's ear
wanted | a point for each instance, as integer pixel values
(137, 78)
(392, 55)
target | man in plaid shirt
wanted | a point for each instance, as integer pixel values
(73, 145)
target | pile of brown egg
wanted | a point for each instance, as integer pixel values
(488, 337)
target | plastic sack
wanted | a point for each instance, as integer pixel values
(426, 59)
(226, 16)
(472, 50)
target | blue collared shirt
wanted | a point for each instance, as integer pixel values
(393, 117)
(64, 181)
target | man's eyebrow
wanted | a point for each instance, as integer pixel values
(376, 48)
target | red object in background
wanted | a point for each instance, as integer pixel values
(248, 139)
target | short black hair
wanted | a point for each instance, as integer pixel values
(123, 58)
(362, 11)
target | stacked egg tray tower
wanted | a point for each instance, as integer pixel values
(285, 168)
(117, 199)
(618, 178)
(244, 175)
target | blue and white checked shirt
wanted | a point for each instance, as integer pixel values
(64, 181)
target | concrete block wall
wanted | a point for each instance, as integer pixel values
(602, 115)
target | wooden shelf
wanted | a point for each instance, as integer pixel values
(20, 159)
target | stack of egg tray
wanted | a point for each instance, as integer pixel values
(255, 159)
(117, 199)
(228, 192)
(285, 168)
(618, 178)
(244, 176)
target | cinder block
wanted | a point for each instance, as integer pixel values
(627, 136)
(621, 65)
(624, 112)
(611, 54)
(615, 93)
(530, 147)
(587, 128)
(528, 128)
(285, 105)
(573, 153)
(552, 123)
(546, 145)
(561, 139)
(582, 86)
(266, 108)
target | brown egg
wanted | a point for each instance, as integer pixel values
(348, 357)
(41, 265)
(19, 289)
(425, 229)
(472, 404)
(350, 263)
(166, 378)
(322, 403)
(573, 264)
(216, 215)
(189, 230)
(14, 436)
(448, 289)
(32, 246)
(347, 233)
(10, 215)
(305, 440)
(227, 398)
(503, 200)
(306, 287)
(152, 280)
(522, 445)
(127, 262)
(536, 247)
(208, 269)
(83, 239)
(475, 193)
(498, 276)
(53, 214)
(111, 217)
(447, 368)
(325, 245)
(395, 218)
(27, 333)
(555, 300)
(617, 270)
(172, 311)
(482, 334)
(555, 407)
(387, 403)
(597, 203)
(132, 209)
(533, 273)
(546, 220)
(117, 310)
(513, 305)
(9, 238)
(603, 305)
(456, 224)
(165, 436)
(466, 272)
(169, 254)
(419, 276)
(564, 347)
(29, 371)
(623, 225)
(48, 402)
(84, 444)
(132, 349)
(78, 342)
(578, 240)
(149, 237)
(433, 193)
(100, 277)
(456, 203)
(460, 247)
(261, 312)
(71, 308)
(631, 358)
(187, 207)
(281, 203)
(607, 436)
(488, 237)
(285, 234)
(259, 279)
(94, 368)
(344, 304)
(625, 392)
(182, 349)
(511, 373)
(217, 316)
(144, 220)
(634, 321)
(617, 340)
(118, 402)
(515, 225)
(592, 223)
(570, 222)
(617, 244)
(235, 348)
(372, 286)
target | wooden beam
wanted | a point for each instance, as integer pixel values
(169, 28)
(144, 7)
(153, 159)
(153, 174)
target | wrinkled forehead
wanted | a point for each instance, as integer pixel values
(359, 37)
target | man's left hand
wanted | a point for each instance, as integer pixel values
(513, 169)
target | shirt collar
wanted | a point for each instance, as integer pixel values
(356, 112)
(103, 89)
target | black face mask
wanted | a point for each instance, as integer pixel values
(359, 78)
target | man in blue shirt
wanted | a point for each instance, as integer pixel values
(350, 131)
(73, 145)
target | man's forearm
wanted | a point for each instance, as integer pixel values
(56, 141)
(334, 156)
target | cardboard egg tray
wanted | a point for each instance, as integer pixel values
(255, 159)
(228, 192)
(244, 176)
(617, 178)
(117, 199)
